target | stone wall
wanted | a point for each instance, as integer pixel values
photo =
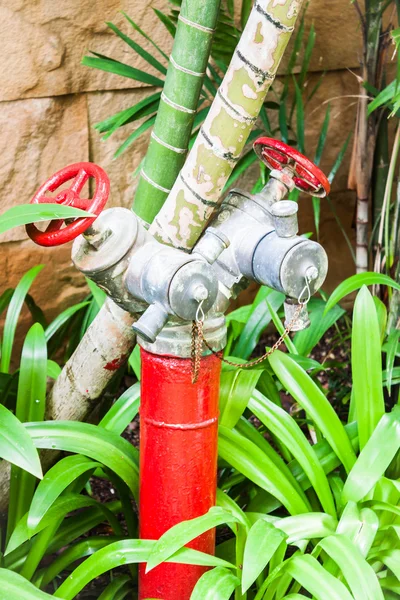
(50, 102)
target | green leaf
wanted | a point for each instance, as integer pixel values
(355, 282)
(181, 534)
(165, 20)
(13, 585)
(314, 402)
(123, 411)
(53, 369)
(307, 526)
(366, 366)
(98, 294)
(217, 584)
(118, 68)
(83, 438)
(141, 109)
(236, 389)
(322, 136)
(55, 481)
(115, 586)
(123, 553)
(285, 428)
(61, 507)
(30, 406)
(315, 579)
(391, 350)
(149, 58)
(77, 551)
(339, 159)
(12, 315)
(142, 33)
(262, 542)
(360, 576)
(375, 457)
(250, 460)
(306, 340)
(299, 118)
(135, 361)
(134, 135)
(63, 318)
(33, 213)
(16, 445)
(258, 321)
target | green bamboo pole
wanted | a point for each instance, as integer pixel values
(197, 190)
(179, 99)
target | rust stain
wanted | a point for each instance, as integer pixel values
(115, 364)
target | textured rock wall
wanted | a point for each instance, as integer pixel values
(50, 102)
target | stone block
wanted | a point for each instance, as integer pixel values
(43, 44)
(38, 137)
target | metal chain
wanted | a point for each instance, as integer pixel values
(198, 338)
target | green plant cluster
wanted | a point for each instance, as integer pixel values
(312, 502)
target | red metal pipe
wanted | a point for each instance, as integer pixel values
(178, 461)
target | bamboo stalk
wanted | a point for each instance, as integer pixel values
(197, 190)
(178, 105)
(365, 139)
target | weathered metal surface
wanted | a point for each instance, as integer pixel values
(79, 173)
(178, 462)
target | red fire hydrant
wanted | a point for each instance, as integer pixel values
(255, 240)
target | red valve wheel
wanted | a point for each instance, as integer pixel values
(307, 177)
(55, 234)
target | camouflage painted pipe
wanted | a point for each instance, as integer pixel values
(198, 188)
(178, 105)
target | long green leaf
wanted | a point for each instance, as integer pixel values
(217, 584)
(123, 411)
(360, 576)
(248, 459)
(262, 542)
(313, 401)
(258, 321)
(30, 406)
(13, 586)
(356, 282)
(184, 532)
(123, 553)
(61, 507)
(118, 68)
(55, 481)
(285, 428)
(32, 213)
(314, 578)
(77, 551)
(236, 389)
(12, 316)
(306, 340)
(16, 445)
(83, 438)
(62, 318)
(149, 58)
(366, 366)
(375, 457)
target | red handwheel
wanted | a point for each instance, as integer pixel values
(60, 231)
(307, 176)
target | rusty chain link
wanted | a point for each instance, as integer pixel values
(198, 338)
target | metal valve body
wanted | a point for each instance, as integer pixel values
(143, 276)
(253, 238)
